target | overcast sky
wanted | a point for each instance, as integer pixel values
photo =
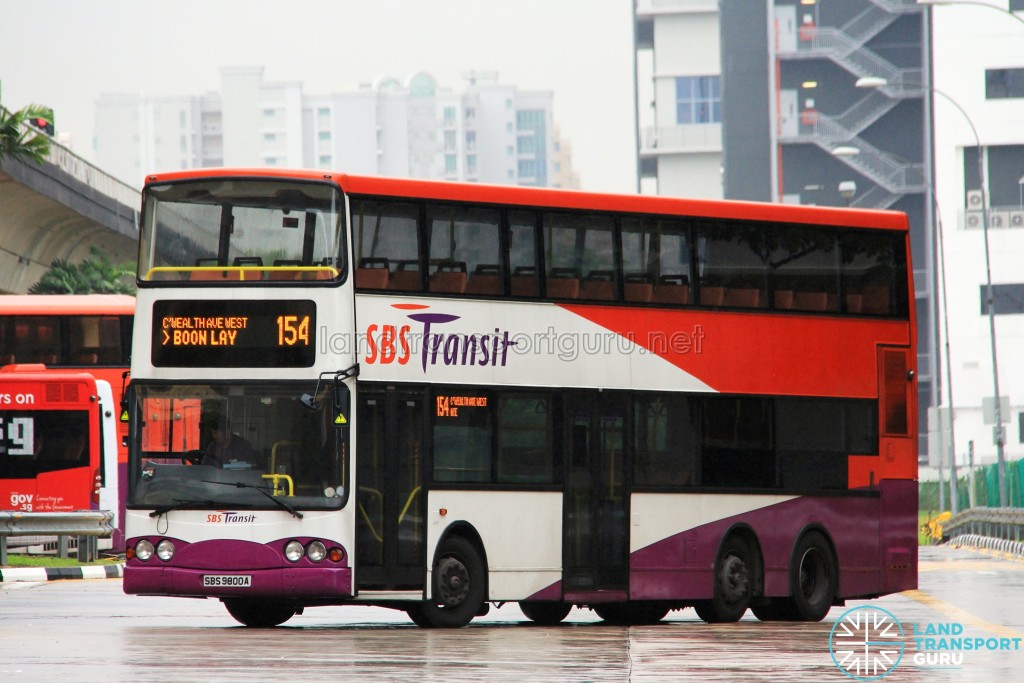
(65, 53)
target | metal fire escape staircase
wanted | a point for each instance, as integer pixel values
(845, 46)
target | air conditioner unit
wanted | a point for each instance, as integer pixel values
(972, 221)
(974, 199)
(1017, 219)
(998, 219)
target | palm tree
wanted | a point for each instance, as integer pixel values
(94, 275)
(18, 140)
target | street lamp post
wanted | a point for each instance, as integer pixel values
(998, 433)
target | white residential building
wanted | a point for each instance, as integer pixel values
(491, 132)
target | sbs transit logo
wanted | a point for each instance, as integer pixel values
(866, 643)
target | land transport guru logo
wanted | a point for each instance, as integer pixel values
(867, 643)
(387, 344)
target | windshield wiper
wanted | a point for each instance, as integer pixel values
(277, 501)
(179, 503)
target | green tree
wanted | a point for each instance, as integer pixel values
(18, 140)
(94, 275)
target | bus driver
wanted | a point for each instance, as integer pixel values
(227, 447)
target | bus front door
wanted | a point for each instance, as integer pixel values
(390, 531)
(595, 508)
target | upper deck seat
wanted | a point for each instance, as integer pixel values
(485, 279)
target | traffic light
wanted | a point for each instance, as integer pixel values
(43, 122)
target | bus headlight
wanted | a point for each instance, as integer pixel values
(143, 550)
(316, 551)
(165, 550)
(293, 551)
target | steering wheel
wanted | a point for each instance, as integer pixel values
(193, 457)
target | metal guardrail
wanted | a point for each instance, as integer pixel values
(87, 524)
(994, 528)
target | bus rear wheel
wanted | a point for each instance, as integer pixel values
(459, 586)
(545, 613)
(259, 613)
(813, 578)
(733, 584)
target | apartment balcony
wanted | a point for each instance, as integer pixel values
(688, 139)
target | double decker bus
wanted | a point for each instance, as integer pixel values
(85, 332)
(432, 396)
(58, 441)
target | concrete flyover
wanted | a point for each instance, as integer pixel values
(58, 211)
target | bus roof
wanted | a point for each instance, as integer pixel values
(562, 199)
(67, 304)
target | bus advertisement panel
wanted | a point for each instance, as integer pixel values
(435, 396)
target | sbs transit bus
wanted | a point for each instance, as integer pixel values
(58, 441)
(433, 396)
(88, 332)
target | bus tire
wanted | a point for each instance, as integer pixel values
(813, 577)
(459, 585)
(631, 613)
(259, 613)
(545, 613)
(733, 584)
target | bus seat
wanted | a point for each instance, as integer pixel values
(639, 291)
(876, 300)
(783, 299)
(810, 301)
(712, 296)
(85, 358)
(248, 261)
(285, 274)
(564, 283)
(7, 359)
(406, 277)
(598, 286)
(372, 273)
(854, 302)
(744, 297)
(671, 294)
(47, 358)
(524, 281)
(449, 277)
(485, 279)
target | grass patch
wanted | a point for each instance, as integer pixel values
(14, 560)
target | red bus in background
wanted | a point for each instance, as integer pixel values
(87, 332)
(58, 442)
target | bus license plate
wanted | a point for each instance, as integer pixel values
(221, 581)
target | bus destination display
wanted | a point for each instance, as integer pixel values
(234, 334)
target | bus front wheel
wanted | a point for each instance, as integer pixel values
(459, 585)
(733, 584)
(259, 613)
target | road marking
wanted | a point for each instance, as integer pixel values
(967, 565)
(960, 615)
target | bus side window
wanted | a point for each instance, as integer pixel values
(387, 232)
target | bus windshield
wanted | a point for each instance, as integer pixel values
(231, 230)
(253, 445)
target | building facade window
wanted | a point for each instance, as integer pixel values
(698, 99)
(1004, 83)
(1008, 299)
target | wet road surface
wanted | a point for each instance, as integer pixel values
(91, 631)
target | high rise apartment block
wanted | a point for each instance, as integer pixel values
(489, 133)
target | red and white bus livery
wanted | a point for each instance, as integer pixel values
(435, 396)
(58, 441)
